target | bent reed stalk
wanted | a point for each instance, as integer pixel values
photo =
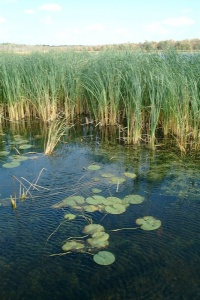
(143, 93)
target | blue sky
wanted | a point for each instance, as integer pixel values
(97, 22)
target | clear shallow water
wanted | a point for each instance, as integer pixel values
(159, 264)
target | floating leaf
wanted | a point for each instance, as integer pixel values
(104, 258)
(112, 200)
(117, 180)
(148, 223)
(4, 153)
(107, 175)
(96, 199)
(12, 164)
(69, 216)
(100, 235)
(74, 199)
(20, 142)
(115, 209)
(96, 191)
(91, 208)
(96, 243)
(93, 167)
(92, 228)
(130, 175)
(18, 157)
(73, 245)
(25, 146)
(133, 199)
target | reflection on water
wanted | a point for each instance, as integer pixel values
(159, 264)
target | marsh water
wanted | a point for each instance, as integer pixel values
(149, 264)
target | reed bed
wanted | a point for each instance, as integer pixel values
(147, 95)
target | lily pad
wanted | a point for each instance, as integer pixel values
(74, 200)
(96, 243)
(69, 216)
(133, 199)
(104, 258)
(117, 180)
(91, 208)
(92, 228)
(18, 157)
(12, 164)
(148, 223)
(115, 209)
(107, 175)
(96, 191)
(94, 167)
(96, 199)
(73, 245)
(25, 146)
(100, 235)
(4, 153)
(112, 200)
(20, 142)
(130, 175)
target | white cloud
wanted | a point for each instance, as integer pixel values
(157, 27)
(47, 20)
(180, 21)
(2, 20)
(50, 7)
(29, 11)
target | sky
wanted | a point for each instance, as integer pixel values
(97, 22)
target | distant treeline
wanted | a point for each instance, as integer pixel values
(184, 45)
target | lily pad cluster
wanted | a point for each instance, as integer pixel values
(111, 205)
(96, 238)
(21, 142)
(14, 161)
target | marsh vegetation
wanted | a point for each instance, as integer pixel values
(147, 96)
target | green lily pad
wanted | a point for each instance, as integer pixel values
(18, 157)
(115, 209)
(92, 228)
(104, 258)
(4, 153)
(20, 142)
(148, 223)
(130, 175)
(74, 200)
(25, 146)
(91, 208)
(112, 200)
(12, 164)
(96, 199)
(107, 175)
(117, 180)
(73, 245)
(133, 199)
(96, 191)
(69, 216)
(94, 167)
